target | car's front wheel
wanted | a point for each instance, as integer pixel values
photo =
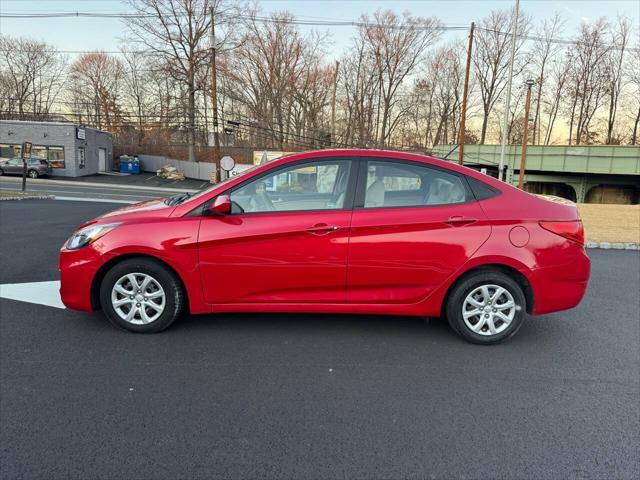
(141, 295)
(487, 307)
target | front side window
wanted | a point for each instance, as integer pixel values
(309, 186)
(405, 184)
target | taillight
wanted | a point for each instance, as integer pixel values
(571, 230)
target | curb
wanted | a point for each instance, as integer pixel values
(613, 245)
(41, 181)
(28, 197)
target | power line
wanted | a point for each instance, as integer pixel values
(271, 19)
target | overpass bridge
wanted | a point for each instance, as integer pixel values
(592, 174)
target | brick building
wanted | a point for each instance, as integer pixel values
(72, 150)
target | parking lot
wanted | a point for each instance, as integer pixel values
(310, 396)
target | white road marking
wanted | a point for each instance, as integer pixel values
(40, 293)
(56, 190)
(98, 200)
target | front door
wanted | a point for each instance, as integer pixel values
(286, 240)
(102, 159)
(412, 227)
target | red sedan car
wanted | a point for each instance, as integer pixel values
(348, 231)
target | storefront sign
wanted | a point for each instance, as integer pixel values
(26, 150)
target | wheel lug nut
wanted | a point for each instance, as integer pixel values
(130, 298)
(486, 316)
(137, 304)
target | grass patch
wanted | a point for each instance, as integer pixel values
(611, 223)
(18, 194)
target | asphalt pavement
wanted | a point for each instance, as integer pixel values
(310, 396)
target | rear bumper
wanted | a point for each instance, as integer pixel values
(77, 271)
(561, 287)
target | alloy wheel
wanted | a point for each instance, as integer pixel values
(488, 310)
(138, 298)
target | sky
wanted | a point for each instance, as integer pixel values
(105, 34)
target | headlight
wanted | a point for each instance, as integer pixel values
(88, 235)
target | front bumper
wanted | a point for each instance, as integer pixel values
(77, 271)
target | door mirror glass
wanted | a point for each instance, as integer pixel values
(221, 205)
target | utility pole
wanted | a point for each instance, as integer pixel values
(463, 110)
(214, 100)
(333, 105)
(525, 131)
(507, 101)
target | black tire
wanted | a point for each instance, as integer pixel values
(456, 299)
(33, 174)
(174, 293)
(1, 172)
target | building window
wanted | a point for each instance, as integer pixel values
(10, 151)
(81, 159)
(56, 157)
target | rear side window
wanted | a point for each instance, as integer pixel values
(482, 191)
(407, 184)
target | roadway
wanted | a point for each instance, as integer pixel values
(310, 396)
(81, 191)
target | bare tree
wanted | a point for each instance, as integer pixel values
(32, 74)
(589, 79)
(545, 48)
(491, 57)
(398, 43)
(556, 85)
(615, 70)
(359, 93)
(96, 82)
(271, 64)
(445, 75)
(176, 31)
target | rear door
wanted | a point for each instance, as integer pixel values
(413, 225)
(286, 240)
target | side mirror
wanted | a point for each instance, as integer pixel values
(221, 205)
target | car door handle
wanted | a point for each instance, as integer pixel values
(459, 221)
(322, 229)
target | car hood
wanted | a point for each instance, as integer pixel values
(148, 209)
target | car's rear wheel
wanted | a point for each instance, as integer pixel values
(487, 307)
(141, 295)
(33, 174)
(1, 172)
